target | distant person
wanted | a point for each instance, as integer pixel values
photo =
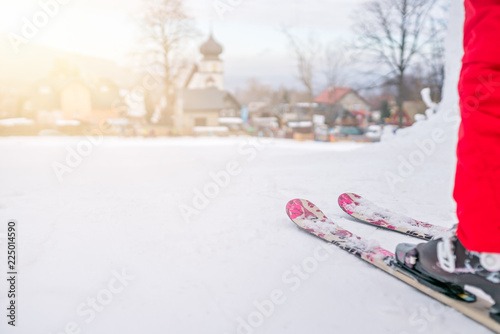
(470, 254)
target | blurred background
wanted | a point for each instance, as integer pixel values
(308, 70)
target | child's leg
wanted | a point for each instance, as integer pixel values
(477, 184)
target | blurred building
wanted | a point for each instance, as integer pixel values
(75, 100)
(343, 106)
(65, 95)
(210, 70)
(10, 102)
(347, 98)
(410, 110)
(386, 104)
(203, 99)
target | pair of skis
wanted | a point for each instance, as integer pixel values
(309, 217)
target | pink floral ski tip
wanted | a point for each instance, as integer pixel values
(294, 208)
(345, 200)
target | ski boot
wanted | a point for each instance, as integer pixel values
(447, 266)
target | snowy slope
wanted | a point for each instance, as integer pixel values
(120, 209)
(125, 243)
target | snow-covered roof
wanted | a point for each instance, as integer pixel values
(302, 124)
(66, 122)
(16, 121)
(118, 121)
(210, 129)
(230, 120)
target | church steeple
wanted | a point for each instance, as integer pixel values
(211, 49)
(209, 73)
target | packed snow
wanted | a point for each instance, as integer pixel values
(190, 235)
(140, 238)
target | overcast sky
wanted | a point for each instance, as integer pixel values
(253, 45)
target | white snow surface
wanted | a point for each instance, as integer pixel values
(120, 210)
(238, 264)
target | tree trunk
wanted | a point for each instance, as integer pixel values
(402, 67)
(400, 98)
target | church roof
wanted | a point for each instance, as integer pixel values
(208, 99)
(193, 71)
(211, 49)
(204, 99)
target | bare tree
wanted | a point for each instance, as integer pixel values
(273, 101)
(306, 54)
(334, 67)
(394, 33)
(335, 62)
(254, 91)
(436, 58)
(166, 33)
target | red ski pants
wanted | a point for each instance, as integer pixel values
(477, 183)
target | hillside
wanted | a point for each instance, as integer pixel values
(34, 62)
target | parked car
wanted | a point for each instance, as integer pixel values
(352, 133)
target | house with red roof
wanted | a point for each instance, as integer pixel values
(342, 105)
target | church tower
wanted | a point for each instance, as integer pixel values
(210, 72)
